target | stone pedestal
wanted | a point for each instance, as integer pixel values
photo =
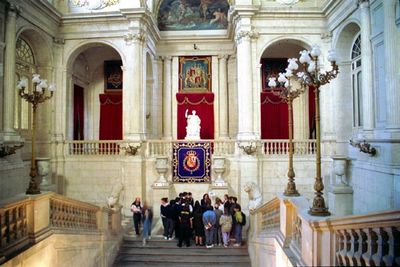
(159, 191)
(340, 196)
(341, 200)
(162, 168)
(43, 170)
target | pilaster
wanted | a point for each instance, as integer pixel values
(167, 98)
(245, 83)
(9, 133)
(366, 59)
(223, 96)
(133, 85)
(392, 78)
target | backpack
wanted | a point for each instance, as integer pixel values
(243, 219)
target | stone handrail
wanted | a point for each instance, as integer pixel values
(72, 214)
(358, 240)
(281, 147)
(14, 223)
(27, 219)
(95, 147)
(365, 240)
(155, 148)
(268, 217)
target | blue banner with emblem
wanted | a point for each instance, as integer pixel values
(191, 162)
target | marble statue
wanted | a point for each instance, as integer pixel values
(255, 197)
(113, 199)
(193, 126)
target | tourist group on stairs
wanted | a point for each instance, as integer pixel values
(184, 219)
(205, 223)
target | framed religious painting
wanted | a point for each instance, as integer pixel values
(195, 74)
(112, 76)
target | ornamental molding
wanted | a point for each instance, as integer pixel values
(246, 35)
(287, 2)
(94, 4)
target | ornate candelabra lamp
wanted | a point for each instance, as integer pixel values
(313, 76)
(38, 95)
(288, 92)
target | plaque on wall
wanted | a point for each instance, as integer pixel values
(112, 76)
(195, 74)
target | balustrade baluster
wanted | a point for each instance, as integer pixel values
(381, 246)
(392, 256)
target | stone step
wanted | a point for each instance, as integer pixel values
(204, 259)
(175, 264)
(166, 253)
(188, 251)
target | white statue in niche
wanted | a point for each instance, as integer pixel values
(193, 126)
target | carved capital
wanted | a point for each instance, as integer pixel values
(13, 9)
(245, 35)
(59, 41)
(166, 58)
(223, 57)
(138, 37)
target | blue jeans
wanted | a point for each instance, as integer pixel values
(210, 235)
(146, 228)
(238, 233)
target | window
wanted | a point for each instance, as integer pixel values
(357, 82)
(25, 67)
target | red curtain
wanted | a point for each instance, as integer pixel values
(110, 116)
(274, 117)
(78, 112)
(204, 106)
(311, 112)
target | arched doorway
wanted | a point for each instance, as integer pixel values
(274, 110)
(96, 93)
(348, 84)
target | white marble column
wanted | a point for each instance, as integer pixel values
(133, 82)
(392, 79)
(223, 96)
(9, 75)
(167, 99)
(366, 59)
(245, 84)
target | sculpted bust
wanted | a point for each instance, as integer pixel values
(193, 126)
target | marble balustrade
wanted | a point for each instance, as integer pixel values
(26, 219)
(357, 240)
(151, 148)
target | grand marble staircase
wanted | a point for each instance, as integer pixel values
(159, 252)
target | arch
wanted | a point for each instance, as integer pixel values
(274, 110)
(73, 53)
(39, 44)
(292, 40)
(344, 40)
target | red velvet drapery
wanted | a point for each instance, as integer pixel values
(203, 103)
(110, 117)
(274, 117)
(79, 110)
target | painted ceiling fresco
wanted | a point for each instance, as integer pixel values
(178, 15)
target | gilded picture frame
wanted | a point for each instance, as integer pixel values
(195, 74)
